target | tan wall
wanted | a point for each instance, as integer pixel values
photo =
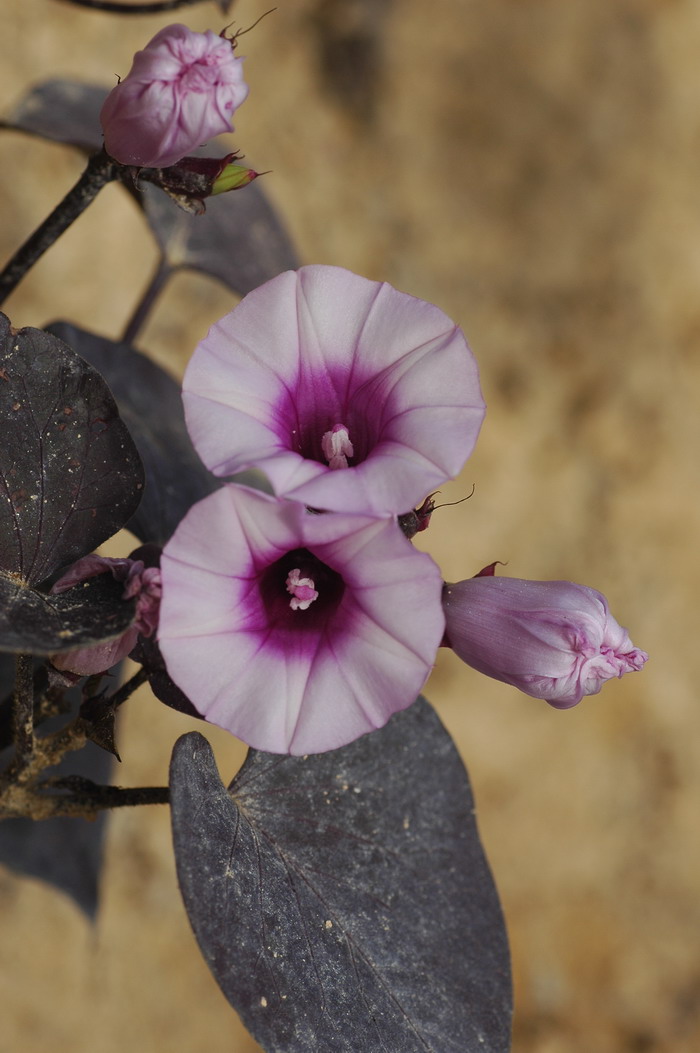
(532, 167)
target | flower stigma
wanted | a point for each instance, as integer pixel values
(302, 590)
(337, 447)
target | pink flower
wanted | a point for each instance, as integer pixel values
(294, 631)
(139, 581)
(551, 639)
(181, 90)
(349, 395)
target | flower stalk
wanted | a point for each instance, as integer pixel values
(23, 791)
(23, 710)
(157, 7)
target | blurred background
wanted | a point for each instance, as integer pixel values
(531, 166)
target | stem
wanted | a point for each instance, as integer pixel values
(115, 8)
(143, 308)
(128, 687)
(23, 711)
(118, 797)
(101, 169)
(84, 802)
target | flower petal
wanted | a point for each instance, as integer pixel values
(320, 348)
(287, 680)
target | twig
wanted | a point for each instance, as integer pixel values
(115, 8)
(23, 710)
(128, 687)
(85, 802)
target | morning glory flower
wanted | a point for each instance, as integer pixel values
(551, 639)
(349, 395)
(296, 632)
(181, 90)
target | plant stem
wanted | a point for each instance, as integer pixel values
(156, 7)
(128, 687)
(101, 169)
(116, 797)
(84, 802)
(143, 308)
(23, 710)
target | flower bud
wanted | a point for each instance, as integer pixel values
(182, 90)
(233, 177)
(551, 639)
(140, 582)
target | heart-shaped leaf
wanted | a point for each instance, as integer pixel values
(70, 475)
(343, 900)
(150, 402)
(239, 239)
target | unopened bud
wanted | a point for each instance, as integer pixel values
(551, 639)
(181, 91)
(141, 583)
(233, 177)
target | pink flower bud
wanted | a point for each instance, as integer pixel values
(551, 639)
(182, 90)
(140, 582)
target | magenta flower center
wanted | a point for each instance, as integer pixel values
(320, 412)
(315, 588)
(302, 590)
(337, 447)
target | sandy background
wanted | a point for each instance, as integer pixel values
(532, 167)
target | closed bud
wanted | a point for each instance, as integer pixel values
(141, 583)
(232, 178)
(181, 91)
(551, 639)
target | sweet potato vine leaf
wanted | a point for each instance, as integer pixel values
(151, 404)
(343, 901)
(70, 477)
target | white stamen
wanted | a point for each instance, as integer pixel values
(337, 447)
(302, 590)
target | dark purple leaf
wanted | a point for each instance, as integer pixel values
(39, 623)
(343, 901)
(147, 653)
(100, 716)
(239, 239)
(151, 405)
(62, 110)
(70, 475)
